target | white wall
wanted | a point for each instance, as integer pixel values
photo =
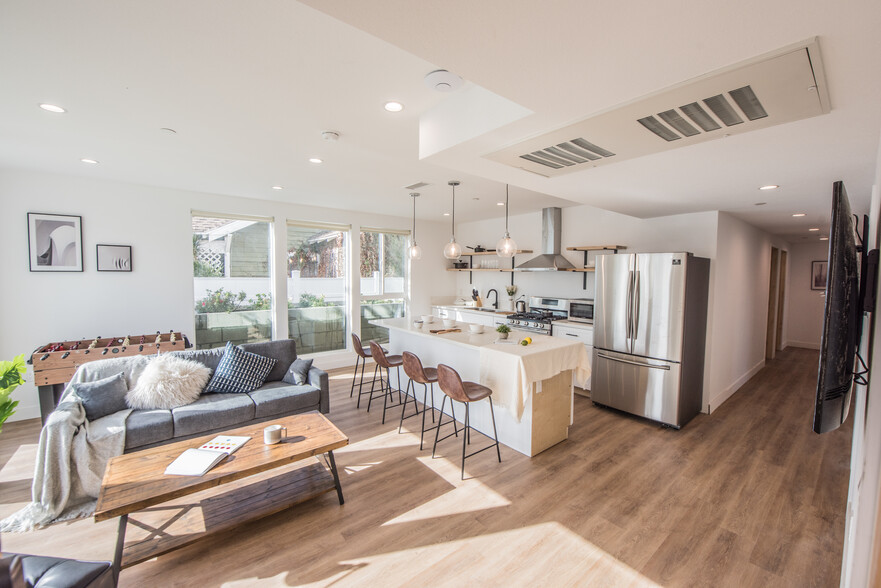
(158, 295)
(804, 303)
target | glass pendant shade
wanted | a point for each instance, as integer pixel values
(415, 252)
(452, 250)
(506, 247)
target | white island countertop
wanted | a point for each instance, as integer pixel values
(508, 368)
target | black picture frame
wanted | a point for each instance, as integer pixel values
(55, 242)
(819, 274)
(113, 258)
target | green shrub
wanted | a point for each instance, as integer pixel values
(11, 377)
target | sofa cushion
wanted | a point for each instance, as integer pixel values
(46, 571)
(212, 411)
(102, 397)
(240, 371)
(284, 351)
(298, 373)
(168, 382)
(279, 398)
(210, 358)
(145, 427)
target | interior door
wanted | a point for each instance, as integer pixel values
(659, 305)
(611, 302)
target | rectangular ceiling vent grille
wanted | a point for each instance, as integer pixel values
(677, 127)
(567, 154)
(416, 186)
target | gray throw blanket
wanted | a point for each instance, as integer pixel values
(73, 452)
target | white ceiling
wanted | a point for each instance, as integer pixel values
(250, 86)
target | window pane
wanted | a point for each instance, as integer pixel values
(371, 284)
(231, 281)
(394, 262)
(378, 309)
(316, 288)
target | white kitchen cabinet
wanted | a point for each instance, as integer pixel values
(476, 317)
(581, 332)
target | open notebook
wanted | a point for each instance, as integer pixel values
(196, 462)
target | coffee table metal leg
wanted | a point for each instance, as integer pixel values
(336, 477)
(120, 542)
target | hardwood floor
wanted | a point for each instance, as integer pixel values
(747, 496)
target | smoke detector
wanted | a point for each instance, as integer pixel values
(441, 80)
(331, 136)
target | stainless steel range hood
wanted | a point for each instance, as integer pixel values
(550, 260)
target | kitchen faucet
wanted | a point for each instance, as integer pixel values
(496, 303)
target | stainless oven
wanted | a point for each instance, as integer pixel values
(581, 311)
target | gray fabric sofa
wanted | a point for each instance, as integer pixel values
(214, 412)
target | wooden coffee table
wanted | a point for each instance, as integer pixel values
(255, 481)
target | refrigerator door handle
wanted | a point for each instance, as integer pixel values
(628, 305)
(631, 362)
(634, 330)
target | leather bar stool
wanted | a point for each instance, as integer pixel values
(426, 376)
(362, 355)
(385, 362)
(465, 392)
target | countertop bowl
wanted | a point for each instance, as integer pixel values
(449, 323)
(427, 319)
(476, 328)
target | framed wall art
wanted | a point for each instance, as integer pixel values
(55, 242)
(818, 274)
(114, 258)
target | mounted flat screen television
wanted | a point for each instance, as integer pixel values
(842, 319)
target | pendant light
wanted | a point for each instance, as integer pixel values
(506, 247)
(453, 250)
(415, 250)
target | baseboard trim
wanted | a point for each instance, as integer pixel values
(805, 344)
(717, 400)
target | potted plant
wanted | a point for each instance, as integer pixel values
(503, 331)
(11, 376)
(511, 290)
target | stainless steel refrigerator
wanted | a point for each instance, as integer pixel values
(650, 323)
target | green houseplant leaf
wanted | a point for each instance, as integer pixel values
(11, 377)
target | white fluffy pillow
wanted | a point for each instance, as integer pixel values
(168, 382)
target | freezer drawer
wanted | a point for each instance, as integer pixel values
(644, 387)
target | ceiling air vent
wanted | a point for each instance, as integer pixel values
(779, 87)
(744, 97)
(567, 154)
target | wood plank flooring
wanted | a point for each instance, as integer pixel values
(747, 496)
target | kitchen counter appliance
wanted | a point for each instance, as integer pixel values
(581, 310)
(542, 312)
(650, 334)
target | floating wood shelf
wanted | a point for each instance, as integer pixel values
(597, 248)
(479, 269)
(587, 249)
(518, 252)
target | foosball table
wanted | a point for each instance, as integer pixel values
(55, 363)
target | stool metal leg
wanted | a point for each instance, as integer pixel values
(385, 394)
(465, 438)
(404, 408)
(437, 428)
(355, 376)
(495, 434)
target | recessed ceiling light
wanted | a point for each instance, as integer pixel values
(52, 108)
(813, 229)
(824, 238)
(500, 203)
(446, 214)
(315, 160)
(87, 160)
(799, 214)
(168, 130)
(769, 187)
(761, 203)
(394, 106)
(278, 187)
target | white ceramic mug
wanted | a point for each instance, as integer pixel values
(273, 434)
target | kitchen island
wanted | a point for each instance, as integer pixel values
(532, 385)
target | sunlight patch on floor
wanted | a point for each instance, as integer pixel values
(537, 555)
(388, 440)
(470, 495)
(21, 465)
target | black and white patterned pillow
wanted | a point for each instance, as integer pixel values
(239, 371)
